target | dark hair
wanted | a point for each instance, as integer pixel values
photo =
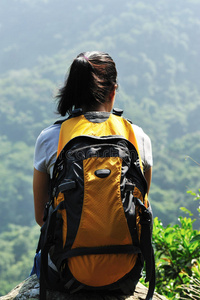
(92, 76)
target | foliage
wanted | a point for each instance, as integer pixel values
(192, 290)
(15, 186)
(177, 257)
(17, 248)
(155, 48)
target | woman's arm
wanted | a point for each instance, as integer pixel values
(148, 175)
(40, 194)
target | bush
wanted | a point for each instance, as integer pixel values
(177, 257)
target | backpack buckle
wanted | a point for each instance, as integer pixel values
(118, 111)
(76, 112)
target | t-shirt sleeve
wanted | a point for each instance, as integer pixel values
(148, 157)
(145, 148)
(40, 155)
(46, 149)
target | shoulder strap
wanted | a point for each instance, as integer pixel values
(76, 124)
(75, 113)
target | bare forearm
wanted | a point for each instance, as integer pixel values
(148, 175)
(40, 194)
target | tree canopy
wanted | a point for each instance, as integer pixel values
(156, 49)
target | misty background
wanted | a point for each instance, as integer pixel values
(155, 45)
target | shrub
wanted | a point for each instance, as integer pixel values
(177, 257)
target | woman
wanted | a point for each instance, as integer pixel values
(91, 86)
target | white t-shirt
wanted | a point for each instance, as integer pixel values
(47, 143)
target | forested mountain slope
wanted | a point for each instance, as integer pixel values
(156, 46)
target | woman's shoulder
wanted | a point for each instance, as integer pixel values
(49, 133)
(145, 147)
(50, 129)
(46, 148)
(47, 141)
(139, 132)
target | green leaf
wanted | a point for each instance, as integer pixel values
(186, 211)
(195, 239)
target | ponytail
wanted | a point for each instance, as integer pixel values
(92, 76)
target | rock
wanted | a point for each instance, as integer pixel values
(29, 289)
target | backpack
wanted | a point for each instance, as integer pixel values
(98, 222)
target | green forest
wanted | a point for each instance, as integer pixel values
(155, 45)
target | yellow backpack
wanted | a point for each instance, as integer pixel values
(98, 227)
